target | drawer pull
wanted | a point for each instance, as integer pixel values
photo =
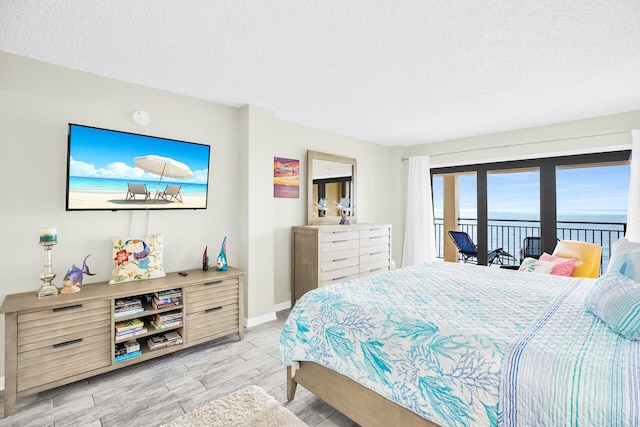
(63, 344)
(69, 307)
(339, 278)
(217, 282)
(211, 310)
(339, 259)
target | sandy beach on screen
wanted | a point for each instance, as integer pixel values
(115, 201)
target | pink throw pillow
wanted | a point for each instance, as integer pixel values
(564, 266)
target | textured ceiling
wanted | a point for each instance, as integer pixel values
(393, 72)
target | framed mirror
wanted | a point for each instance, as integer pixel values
(331, 189)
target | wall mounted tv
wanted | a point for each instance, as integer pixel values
(113, 170)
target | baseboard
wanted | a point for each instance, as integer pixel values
(282, 306)
(255, 321)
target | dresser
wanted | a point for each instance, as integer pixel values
(326, 254)
(59, 339)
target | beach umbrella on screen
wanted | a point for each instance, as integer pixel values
(163, 166)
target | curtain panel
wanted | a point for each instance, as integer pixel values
(419, 230)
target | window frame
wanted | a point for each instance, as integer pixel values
(547, 167)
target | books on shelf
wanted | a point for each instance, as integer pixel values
(128, 325)
(127, 356)
(166, 320)
(127, 350)
(168, 298)
(168, 339)
(128, 306)
(131, 333)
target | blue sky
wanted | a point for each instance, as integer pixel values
(101, 153)
(599, 189)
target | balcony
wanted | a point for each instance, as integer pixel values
(509, 234)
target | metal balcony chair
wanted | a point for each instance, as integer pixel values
(531, 248)
(469, 251)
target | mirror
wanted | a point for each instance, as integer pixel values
(331, 189)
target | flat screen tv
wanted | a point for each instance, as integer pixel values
(113, 170)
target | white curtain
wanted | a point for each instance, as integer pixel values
(633, 216)
(419, 231)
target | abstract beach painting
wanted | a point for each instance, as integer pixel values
(286, 178)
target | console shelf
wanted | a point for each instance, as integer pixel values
(59, 339)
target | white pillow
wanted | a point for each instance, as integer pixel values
(625, 258)
(533, 265)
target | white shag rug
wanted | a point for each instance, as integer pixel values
(247, 407)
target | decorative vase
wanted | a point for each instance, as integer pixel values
(205, 260)
(221, 264)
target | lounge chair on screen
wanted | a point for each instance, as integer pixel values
(171, 192)
(469, 251)
(137, 190)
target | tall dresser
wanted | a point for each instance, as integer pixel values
(326, 254)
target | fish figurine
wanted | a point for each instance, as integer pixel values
(221, 264)
(73, 279)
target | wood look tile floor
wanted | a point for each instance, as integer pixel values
(157, 391)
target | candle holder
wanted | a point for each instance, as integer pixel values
(47, 275)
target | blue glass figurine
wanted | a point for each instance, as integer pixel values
(221, 265)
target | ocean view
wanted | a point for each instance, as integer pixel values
(507, 229)
(119, 186)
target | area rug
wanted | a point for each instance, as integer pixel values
(247, 407)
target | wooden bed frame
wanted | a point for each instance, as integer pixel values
(357, 402)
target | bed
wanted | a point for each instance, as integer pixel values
(452, 344)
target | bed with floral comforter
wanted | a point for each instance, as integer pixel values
(430, 337)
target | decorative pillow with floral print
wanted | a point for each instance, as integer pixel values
(533, 265)
(136, 258)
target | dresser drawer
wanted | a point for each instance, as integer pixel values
(46, 328)
(339, 263)
(374, 267)
(365, 259)
(211, 295)
(374, 232)
(339, 246)
(339, 235)
(212, 323)
(369, 250)
(339, 275)
(337, 255)
(374, 241)
(63, 359)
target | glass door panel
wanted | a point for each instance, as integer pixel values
(513, 213)
(592, 202)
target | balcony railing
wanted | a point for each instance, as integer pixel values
(509, 234)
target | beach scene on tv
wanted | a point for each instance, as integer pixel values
(114, 170)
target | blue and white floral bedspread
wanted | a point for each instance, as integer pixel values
(590, 378)
(430, 337)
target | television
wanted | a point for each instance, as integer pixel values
(114, 170)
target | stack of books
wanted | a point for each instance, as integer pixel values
(130, 328)
(168, 339)
(127, 350)
(168, 298)
(167, 320)
(128, 306)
